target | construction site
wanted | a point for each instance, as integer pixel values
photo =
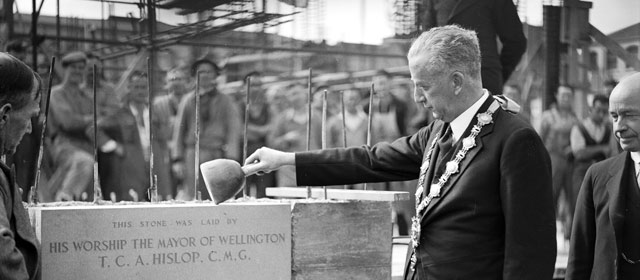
(149, 98)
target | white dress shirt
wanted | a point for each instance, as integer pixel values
(459, 124)
(635, 156)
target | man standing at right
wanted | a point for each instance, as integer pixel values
(604, 239)
(491, 19)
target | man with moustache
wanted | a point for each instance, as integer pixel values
(484, 203)
(606, 226)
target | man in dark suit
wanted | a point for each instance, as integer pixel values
(491, 19)
(484, 197)
(19, 102)
(606, 226)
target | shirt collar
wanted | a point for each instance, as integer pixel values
(459, 124)
(635, 156)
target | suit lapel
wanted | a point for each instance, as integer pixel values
(437, 128)
(468, 159)
(461, 6)
(433, 164)
(614, 187)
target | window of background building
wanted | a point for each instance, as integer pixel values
(593, 60)
(633, 50)
(612, 61)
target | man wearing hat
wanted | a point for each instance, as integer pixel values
(220, 125)
(71, 130)
(19, 102)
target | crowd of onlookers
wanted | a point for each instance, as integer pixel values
(277, 117)
(574, 145)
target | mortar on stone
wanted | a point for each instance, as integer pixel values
(224, 178)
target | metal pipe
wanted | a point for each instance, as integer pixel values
(33, 197)
(246, 124)
(34, 35)
(97, 191)
(344, 124)
(58, 45)
(309, 120)
(324, 131)
(344, 121)
(370, 121)
(197, 132)
(153, 187)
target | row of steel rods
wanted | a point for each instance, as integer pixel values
(153, 191)
(33, 197)
(344, 127)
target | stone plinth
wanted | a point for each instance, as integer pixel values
(342, 240)
(188, 241)
(267, 239)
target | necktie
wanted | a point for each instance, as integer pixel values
(445, 143)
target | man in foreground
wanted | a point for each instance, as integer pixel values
(19, 102)
(484, 203)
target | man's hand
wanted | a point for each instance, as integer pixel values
(265, 160)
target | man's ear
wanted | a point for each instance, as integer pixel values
(457, 78)
(4, 114)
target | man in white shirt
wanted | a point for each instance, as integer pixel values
(591, 141)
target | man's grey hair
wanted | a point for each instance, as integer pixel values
(449, 48)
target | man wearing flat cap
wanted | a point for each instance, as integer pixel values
(71, 130)
(19, 102)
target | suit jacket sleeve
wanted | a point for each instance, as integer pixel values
(395, 161)
(509, 30)
(12, 263)
(583, 233)
(526, 195)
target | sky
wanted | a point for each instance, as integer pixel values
(342, 18)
